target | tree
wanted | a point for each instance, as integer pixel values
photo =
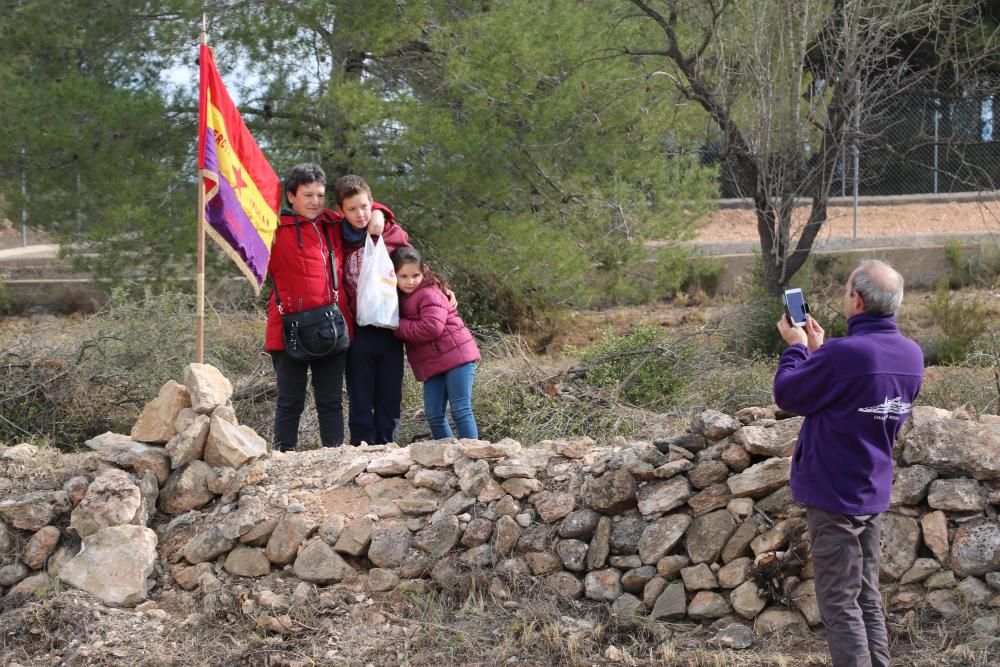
(86, 130)
(789, 83)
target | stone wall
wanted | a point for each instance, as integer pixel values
(698, 526)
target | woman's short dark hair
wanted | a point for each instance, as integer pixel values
(303, 174)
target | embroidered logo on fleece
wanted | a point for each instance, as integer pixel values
(890, 408)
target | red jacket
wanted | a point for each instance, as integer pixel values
(393, 236)
(437, 339)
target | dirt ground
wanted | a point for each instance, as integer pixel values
(873, 221)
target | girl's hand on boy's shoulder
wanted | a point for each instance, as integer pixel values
(452, 299)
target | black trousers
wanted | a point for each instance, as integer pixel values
(374, 385)
(327, 382)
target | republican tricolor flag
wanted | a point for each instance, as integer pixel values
(242, 192)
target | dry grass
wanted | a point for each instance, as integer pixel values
(468, 627)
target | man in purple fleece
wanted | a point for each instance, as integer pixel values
(855, 394)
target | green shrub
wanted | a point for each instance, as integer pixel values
(957, 325)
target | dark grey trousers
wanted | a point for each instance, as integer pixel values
(845, 553)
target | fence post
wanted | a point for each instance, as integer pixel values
(854, 149)
(937, 119)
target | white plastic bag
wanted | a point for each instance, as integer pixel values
(378, 303)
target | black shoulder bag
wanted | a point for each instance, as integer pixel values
(316, 333)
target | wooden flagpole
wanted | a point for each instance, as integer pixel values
(199, 332)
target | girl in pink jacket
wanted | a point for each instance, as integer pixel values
(440, 348)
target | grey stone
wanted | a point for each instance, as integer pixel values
(573, 554)
(579, 523)
(707, 536)
(956, 495)
(973, 549)
(658, 497)
(900, 541)
(671, 605)
(761, 479)
(910, 485)
(612, 493)
(660, 537)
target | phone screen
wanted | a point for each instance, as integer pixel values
(795, 304)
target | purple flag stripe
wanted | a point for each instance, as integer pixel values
(227, 217)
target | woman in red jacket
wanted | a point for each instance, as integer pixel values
(440, 348)
(301, 272)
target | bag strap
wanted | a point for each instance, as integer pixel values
(333, 270)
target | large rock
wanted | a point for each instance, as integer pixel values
(708, 604)
(393, 462)
(207, 545)
(579, 523)
(711, 498)
(111, 500)
(612, 493)
(708, 472)
(671, 605)
(552, 506)
(934, 526)
(774, 440)
(114, 564)
(207, 386)
(657, 497)
(288, 534)
(803, 597)
(439, 537)
(707, 536)
(572, 553)
(481, 449)
(390, 542)
(956, 448)
(777, 618)
(600, 544)
(186, 489)
(748, 600)
(189, 445)
(777, 536)
(739, 543)
(40, 547)
(158, 421)
(603, 585)
(972, 552)
(761, 479)
(900, 541)
(355, 537)
(714, 425)
(626, 534)
(435, 453)
(956, 495)
(124, 452)
(318, 563)
(247, 562)
(35, 510)
(910, 485)
(660, 537)
(232, 445)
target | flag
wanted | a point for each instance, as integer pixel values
(242, 192)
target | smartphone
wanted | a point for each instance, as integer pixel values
(796, 308)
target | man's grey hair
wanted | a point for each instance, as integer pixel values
(880, 287)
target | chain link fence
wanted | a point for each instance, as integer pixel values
(914, 145)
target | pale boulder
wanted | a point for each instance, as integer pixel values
(114, 564)
(158, 421)
(207, 386)
(232, 445)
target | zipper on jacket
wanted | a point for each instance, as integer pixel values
(324, 251)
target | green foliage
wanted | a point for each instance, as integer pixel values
(958, 324)
(640, 367)
(981, 268)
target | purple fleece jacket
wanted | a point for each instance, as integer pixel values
(855, 394)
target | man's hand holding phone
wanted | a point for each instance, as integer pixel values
(814, 334)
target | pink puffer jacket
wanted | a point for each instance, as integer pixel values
(436, 338)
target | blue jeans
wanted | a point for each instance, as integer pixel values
(452, 387)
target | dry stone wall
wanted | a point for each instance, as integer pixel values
(698, 526)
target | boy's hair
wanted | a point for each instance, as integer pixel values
(348, 186)
(410, 255)
(303, 174)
